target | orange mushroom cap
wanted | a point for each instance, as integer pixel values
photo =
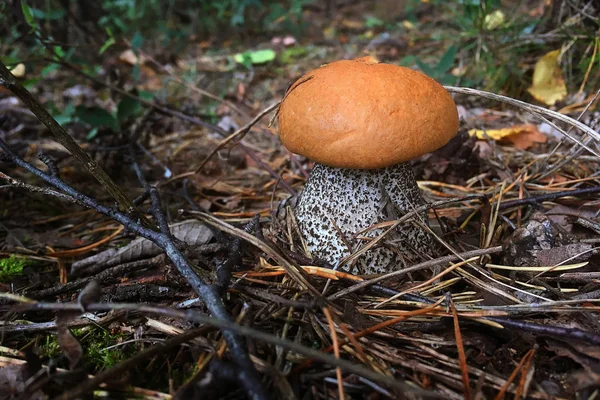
(364, 114)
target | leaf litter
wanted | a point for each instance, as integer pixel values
(519, 318)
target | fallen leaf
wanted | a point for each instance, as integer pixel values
(522, 136)
(255, 57)
(407, 24)
(191, 232)
(13, 382)
(69, 345)
(548, 83)
(556, 178)
(352, 24)
(493, 20)
(18, 70)
(130, 58)
(527, 138)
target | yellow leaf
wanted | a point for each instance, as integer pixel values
(499, 134)
(408, 25)
(352, 24)
(493, 20)
(548, 84)
(18, 70)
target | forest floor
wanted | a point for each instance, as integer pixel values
(510, 307)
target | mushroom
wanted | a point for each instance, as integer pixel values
(362, 122)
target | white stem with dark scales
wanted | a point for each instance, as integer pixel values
(337, 203)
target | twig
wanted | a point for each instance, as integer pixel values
(558, 331)
(234, 260)
(12, 182)
(182, 116)
(417, 267)
(10, 82)
(237, 135)
(208, 293)
(126, 365)
(549, 196)
(535, 110)
(294, 271)
(108, 274)
(227, 325)
(462, 357)
(336, 351)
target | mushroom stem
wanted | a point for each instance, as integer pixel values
(338, 203)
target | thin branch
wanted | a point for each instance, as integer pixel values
(12, 182)
(182, 116)
(234, 259)
(123, 367)
(250, 379)
(530, 108)
(417, 267)
(11, 83)
(549, 196)
(225, 325)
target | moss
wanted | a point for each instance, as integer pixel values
(50, 347)
(99, 352)
(11, 267)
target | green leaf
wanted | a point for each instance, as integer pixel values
(407, 61)
(372, 22)
(49, 69)
(66, 115)
(288, 55)
(59, 52)
(109, 42)
(255, 57)
(97, 117)
(137, 41)
(146, 95)
(428, 70)
(128, 107)
(50, 14)
(92, 134)
(447, 59)
(28, 14)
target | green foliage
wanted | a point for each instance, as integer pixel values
(50, 347)
(373, 22)
(248, 58)
(289, 55)
(98, 117)
(11, 267)
(495, 43)
(28, 14)
(96, 343)
(130, 16)
(441, 71)
(474, 13)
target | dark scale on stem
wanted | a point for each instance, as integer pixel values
(353, 200)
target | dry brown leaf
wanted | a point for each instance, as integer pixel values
(130, 58)
(68, 343)
(522, 136)
(352, 24)
(13, 382)
(548, 83)
(192, 232)
(527, 137)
